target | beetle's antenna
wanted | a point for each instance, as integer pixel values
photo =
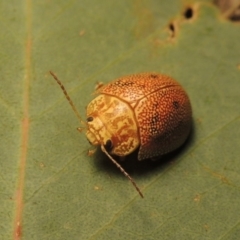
(68, 98)
(122, 170)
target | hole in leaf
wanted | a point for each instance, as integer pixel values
(172, 29)
(188, 14)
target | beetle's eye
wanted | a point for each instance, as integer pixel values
(89, 119)
(108, 145)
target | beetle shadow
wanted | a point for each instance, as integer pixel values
(138, 169)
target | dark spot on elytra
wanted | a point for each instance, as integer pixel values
(176, 104)
(142, 86)
(153, 75)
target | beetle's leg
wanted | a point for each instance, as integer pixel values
(91, 152)
(80, 129)
(99, 85)
(122, 170)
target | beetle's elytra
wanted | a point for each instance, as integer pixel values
(147, 111)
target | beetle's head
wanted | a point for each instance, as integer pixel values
(111, 124)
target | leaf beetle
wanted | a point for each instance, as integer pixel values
(150, 112)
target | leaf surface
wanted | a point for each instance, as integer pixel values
(50, 188)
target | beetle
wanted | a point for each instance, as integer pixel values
(147, 112)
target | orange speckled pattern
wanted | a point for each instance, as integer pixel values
(161, 107)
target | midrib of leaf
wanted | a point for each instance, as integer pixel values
(25, 123)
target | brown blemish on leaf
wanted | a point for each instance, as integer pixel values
(145, 18)
(42, 165)
(217, 175)
(91, 152)
(199, 120)
(206, 227)
(68, 226)
(81, 33)
(197, 198)
(97, 188)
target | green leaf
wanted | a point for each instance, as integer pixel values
(50, 188)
